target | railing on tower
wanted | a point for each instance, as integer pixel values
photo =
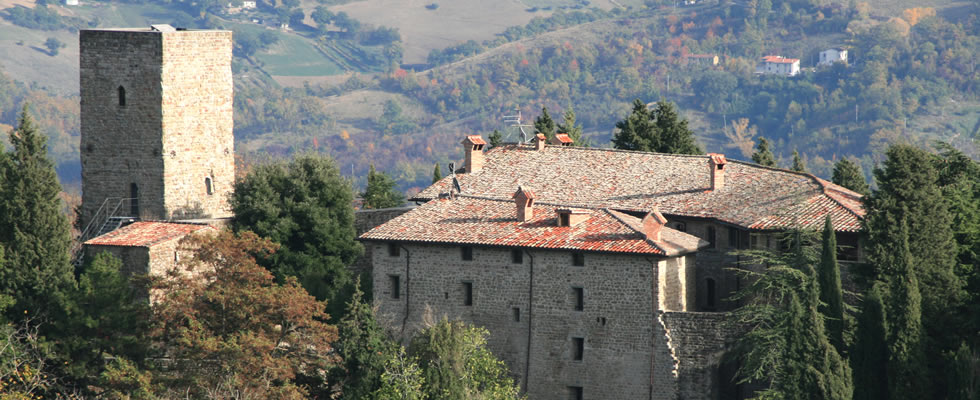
(105, 220)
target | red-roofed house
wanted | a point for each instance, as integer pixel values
(146, 247)
(779, 65)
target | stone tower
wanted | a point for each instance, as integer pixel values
(156, 123)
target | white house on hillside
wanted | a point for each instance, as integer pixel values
(830, 56)
(779, 65)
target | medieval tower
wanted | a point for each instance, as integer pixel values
(156, 123)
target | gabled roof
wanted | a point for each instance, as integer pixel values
(753, 196)
(780, 60)
(146, 234)
(493, 222)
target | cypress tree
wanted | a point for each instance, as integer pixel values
(849, 175)
(763, 155)
(798, 165)
(675, 136)
(906, 360)
(363, 348)
(35, 234)
(436, 174)
(870, 353)
(544, 124)
(831, 294)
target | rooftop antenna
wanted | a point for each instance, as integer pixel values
(515, 120)
(452, 170)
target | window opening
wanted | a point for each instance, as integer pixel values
(467, 293)
(578, 259)
(574, 393)
(579, 296)
(134, 202)
(467, 253)
(517, 314)
(710, 289)
(396, 287)
(732, 237)
(207, 185)
(578, 348)
(122, 96)
(711, 237)
(517, 256)
(563, 219)
(394, 250)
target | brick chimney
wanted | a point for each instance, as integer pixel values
(716, 162)
(562, 139)
(539, 144)
(653, 223)
(525, 204)
(473, 147)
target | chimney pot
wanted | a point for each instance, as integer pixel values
(539, 144)
(562, 139)
(716, 163)
(473, 147)
(653, 224)
(525, 204)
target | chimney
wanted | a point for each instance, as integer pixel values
(561, 139)
(539, 145)
(473, 147)
(653, 223)
(716, 162)
(525, 204)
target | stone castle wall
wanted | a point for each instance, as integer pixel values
(624, 343)
(156, 111)
(365, 220)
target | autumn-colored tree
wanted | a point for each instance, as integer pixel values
(740, 136)
(230, 331)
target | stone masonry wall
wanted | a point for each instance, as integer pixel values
(699, 341)
(623, 342)
(173, 129)
(365, 220)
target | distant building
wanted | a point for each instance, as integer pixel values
(779, 65)
(71, 2)
(708, 60)
(248, 5)
(830, 56)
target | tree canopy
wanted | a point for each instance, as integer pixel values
(660, 130)
(848, 174)
(763, 154)
(381, 191)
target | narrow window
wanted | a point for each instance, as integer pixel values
(467, 293)
(134, 199)
(396, 286)
(176, 257)
(578, 259)
(578, 296)
(122, 96)
(517, 256)
(732, 237)
(394, 250)
(574, 393)
(711, 237)
(208, 186)
(578, 348)
(563, 219)
(710, 289)
(517, 314)
(467, 253)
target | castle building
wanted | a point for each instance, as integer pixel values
(598, 272)
(156, 138)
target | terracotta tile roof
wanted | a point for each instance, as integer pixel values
(753, 196)
(563, 138)
(780, 60)
(493, 222)
(475, 139)
(146, 234)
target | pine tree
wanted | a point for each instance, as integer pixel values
(798, 165)
(964, 384)
(870, 352)
(763, 155)
(35, 234)
(675, 136)
(363, 349)
(637, 131)
(906, 359)
(436, 173)
(544, 124)
(573, 130)
(496, 138)
(849, 175)
(831, 294)
(381, 191)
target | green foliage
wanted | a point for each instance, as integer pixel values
(784, 343)
(848, 174)
(544, 124)
(831, 294)
(496, 138)
(53, 45)
(381, 191)
(904, 319)
(39, 17)
(660, 130)
(123, 379)
(437, 172)
(763, 155)
(305, 206)
(965, 379)
(574, 130)
(363, 348)
(402, 378)
(870, 350)
(35, 235)
(457, 365)
(798, 164)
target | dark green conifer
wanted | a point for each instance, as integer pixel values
(675, 136)
(544, 124)
(798, 165)
(763, 155)
(363, 348)
(906, 359)
(496, 138)
(831, 294)
(870, 353)
(849, 175)
(436, 173)
(381, 191)
(574, 130)
(637, 131)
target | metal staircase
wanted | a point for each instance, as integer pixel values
(106, 219)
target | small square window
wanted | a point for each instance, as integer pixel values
(574, 393)
(578, 348)
(394, 250)
(563, 219)
(578, 259)
(467, 253)
(396, 287)
(517, 314)
(517, 256)
(467, 293)
(578, 297)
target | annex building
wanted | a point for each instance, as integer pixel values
(598, 272)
